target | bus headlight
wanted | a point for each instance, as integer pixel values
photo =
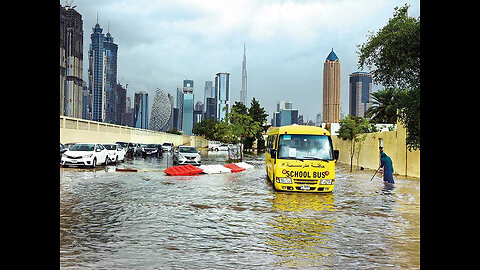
(326, 182)
(284, 180)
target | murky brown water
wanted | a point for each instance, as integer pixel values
(147, 220)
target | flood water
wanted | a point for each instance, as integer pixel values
(147, 220)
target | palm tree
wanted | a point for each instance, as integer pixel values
(384, 106)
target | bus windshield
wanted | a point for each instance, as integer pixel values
(296, 146)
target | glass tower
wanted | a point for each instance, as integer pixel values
(187, 107)
(102, 75)
(360, 90)
(222, 94)
(141, 110)
(95, 73)
(110, 79)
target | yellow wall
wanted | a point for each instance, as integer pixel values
(404, 161)
(80, 130)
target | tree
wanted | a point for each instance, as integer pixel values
(384, 106)
(394, 55)
(258, 115)
(350, 129)
(206, 128)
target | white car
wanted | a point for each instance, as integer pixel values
(221, 147)
(167, 147)
(213, 144)
(186, 155)
(115, 152)
(85, 154)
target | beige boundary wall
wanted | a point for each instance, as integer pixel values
(80, 130)
(404, 162)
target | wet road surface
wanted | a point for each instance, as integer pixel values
(147, 220)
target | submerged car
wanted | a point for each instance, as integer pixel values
(115, 152)
(85, 154)
(63, 149)
(221, 147)
(187, 155)
(151, 150)
(168, 146)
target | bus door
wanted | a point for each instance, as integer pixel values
(273, 156)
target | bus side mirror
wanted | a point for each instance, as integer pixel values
(336, 153)
(273, 152)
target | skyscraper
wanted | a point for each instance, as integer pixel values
(331, 89)
(121, 105)
(243, 93)
(95, 73)
(208, 93)
(161, 111)
(187, 107)
(285, 114)
(102, 75)
(71, 62)
(110, 78)
(222, 94)
(210, 109)
(141, 110)
(360, 90)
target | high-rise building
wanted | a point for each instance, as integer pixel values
(208, 93)
(288, 117)
(222, 94)
(129, 113)
(161, 111)
(243, 93)
(141, 110)
(176, 113)
(331, 89)
(360, 90)
(86, 102)
(102, 75)
(284, 105)
(318, 120)
(187, 121)
(198, 112)
(285, 114)
(71, 62)
(197, 117)
(96, 73)
(210, 108)
(111, 50)
(179, 116)
(121, 105)
(187, 107)
(169, 125)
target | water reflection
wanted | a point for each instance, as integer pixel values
(302, 228)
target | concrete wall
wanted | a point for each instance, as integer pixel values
(404, 162)
(80, 130)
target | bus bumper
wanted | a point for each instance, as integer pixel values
(304, 188)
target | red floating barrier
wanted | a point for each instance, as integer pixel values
(234, 167)
(183, 170)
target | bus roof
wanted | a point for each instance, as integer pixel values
(298, 129)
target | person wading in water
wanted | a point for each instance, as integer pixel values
(386, 164)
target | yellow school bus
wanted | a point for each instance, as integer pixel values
(300, 158)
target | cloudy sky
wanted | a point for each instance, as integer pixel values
(163, 42)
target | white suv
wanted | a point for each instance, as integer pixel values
(85, 154)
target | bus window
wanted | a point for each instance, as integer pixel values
(296, 146)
